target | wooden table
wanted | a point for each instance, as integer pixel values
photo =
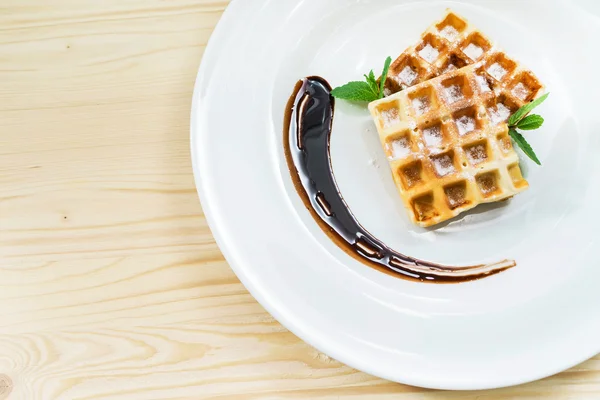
(111, 285)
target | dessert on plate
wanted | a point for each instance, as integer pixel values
(447, 112)
(444, 129)
(453, 43)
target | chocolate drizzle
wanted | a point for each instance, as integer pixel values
(307, 131)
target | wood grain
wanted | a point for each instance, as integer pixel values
(111, 285)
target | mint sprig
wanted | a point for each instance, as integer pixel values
(369, 90)
(384, 74)
(526, 109)
(522, 120)
(530, 122)
(355, 91)
(522, 143)
(372, 82)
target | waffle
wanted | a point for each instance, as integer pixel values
(447, 142)
(453, 43)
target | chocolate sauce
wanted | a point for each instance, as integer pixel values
(307, 132)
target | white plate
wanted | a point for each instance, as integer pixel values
(526, 323)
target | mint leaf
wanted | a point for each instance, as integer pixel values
(372, 82)
(531, 122)
(386, 67)
(522, 143)
(369, 90)
(355, 91)
(372, 77)
(526, 109)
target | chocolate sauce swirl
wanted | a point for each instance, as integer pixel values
(307, 132)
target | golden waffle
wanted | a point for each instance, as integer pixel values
(447, 142)
(453, 43)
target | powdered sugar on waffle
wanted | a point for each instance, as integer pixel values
(476, 154)
(453, 94)
(484, 86)
(449, 33)
(408, 76)
(429, 53)
(443, 165)
(399, 148)
(520, 91)
(390, 117)
(421, 105)
(432, 136)
(465, 124)
(499, 114)
(473, 51)
(497, 71)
